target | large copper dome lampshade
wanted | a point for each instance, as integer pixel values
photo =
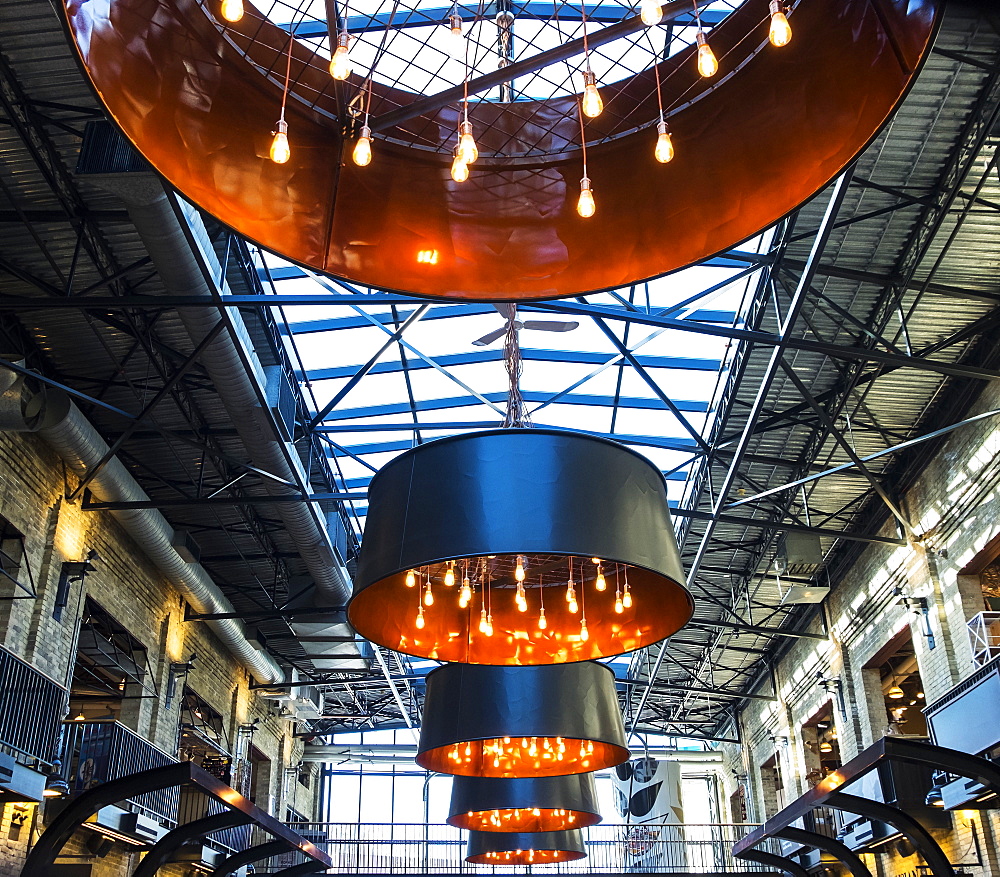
(199, 97)
(519, 547)
(523, 804)
(546, 720)
(524, 848)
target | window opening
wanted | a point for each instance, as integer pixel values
(111, 666)
(11, 561)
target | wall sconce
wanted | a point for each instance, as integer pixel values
(56, 785)
(72, 571)
(919, 607)
(178, 670)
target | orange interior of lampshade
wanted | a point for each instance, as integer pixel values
(522, 757)
(395, 615)
(525, 857)
(524, 819)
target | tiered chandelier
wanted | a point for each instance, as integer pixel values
(524, 804)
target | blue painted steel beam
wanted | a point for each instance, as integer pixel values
(599, 13)
(729, 259)
(685, 446)
(446, 312)
(474, 357)
(606, 402)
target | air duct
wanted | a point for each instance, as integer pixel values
(57, 419)
(184, 259)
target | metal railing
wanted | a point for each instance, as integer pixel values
(31, 706)
(94, 752)
(440, 849)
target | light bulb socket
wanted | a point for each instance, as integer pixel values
(455, 23)
(661, 127)
(701, 39)
(589, 78)
(281, 127)
(465, 128)
(776, 7)
(343, 41)
(366, 133)
(585, 184)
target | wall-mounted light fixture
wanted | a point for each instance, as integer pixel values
(72, 571)
(178, 670)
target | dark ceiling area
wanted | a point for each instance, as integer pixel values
(856, 334)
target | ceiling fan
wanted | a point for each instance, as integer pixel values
(509, 313)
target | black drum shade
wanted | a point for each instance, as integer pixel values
(524, 848)
(547, 720)
(524, 804)
(519, 547)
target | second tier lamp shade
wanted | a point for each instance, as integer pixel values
(547, 720)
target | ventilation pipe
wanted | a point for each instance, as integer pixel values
(185, 259)
(53, 416)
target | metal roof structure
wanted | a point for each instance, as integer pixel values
(785, 387)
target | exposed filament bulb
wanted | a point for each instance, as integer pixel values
(280, 152)
(489, 625)
(627, 598)
(664, 143)
(519, 569)
(428, 595)
(780, 33)
(650, 12)
(459, 169)
(340, 63)
(600, 583)
(708, 64)
(456, 39)
(362, 154)
(584, 633)
(482, 620)
(465, 593)
(521, 600)
(619, 605)
(411, 578)
(592, 103)
(449, 575)
(542, 622)
(467, 149)
(420, 617)
(585, 205)
(232, 10)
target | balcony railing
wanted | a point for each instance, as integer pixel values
(31, 706)
(97, 751)
(440, 849)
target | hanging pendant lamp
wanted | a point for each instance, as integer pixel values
(522, 804)
(524, 848)
(518, 547)
(549, 720)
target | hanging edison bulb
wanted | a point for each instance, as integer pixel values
(411, 578)
(449, 575)
(664, 143)
(519, 569)
(521, 599)
(780, 33)
(467, 149)
(456, 39)
(465, 593)
(459, 169)
(482, 620)
(584, 633)
(488, 629)
(585, 205)
(280, 151)
(232, 10)
(619, 605)
(650, 12)
(542, 620)
(420, 617)
(708, 64)
(627, 597)
(428, 594)
(340, 63)
(592, 103)
(362, 154)
(600, 583)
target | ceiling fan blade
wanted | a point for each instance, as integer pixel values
(550, 326)
(490, 337)
(506, 311)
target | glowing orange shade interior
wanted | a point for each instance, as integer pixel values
(431, 613)
(522, 757)
(525, 857)
(524, 819)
